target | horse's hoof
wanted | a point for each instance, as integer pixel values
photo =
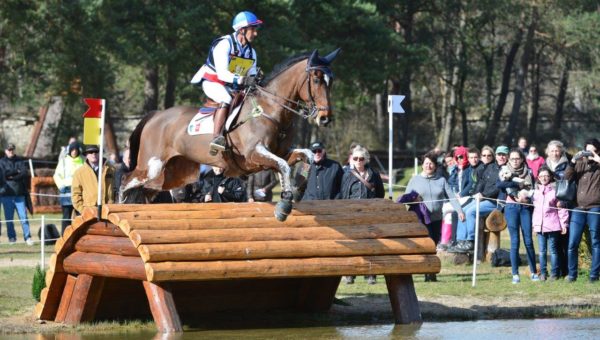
(282, 209)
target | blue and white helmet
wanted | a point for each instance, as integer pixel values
(245, 19)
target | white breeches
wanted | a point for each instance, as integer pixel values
(216, 92)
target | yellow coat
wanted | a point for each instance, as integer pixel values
(84, 188)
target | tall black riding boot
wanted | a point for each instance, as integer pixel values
(218, 142)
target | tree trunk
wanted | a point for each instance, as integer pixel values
(535, 98)
(560, 99)
(150, 88)
(492, 129)
(455, 82)
(528, 49)
(170, 87)
(380, 107)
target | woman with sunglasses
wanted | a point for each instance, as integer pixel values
(433, 190)
(360, 182)
(518, 212)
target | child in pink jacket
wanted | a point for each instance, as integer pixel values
(549, 222)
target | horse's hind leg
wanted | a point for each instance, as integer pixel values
(264, 157)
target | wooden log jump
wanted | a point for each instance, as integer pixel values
(172, 261)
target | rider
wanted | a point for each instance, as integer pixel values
(231, 64)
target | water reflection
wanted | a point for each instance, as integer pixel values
(485, 329)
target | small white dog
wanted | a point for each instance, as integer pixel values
(506, 175)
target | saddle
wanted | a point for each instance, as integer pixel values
(202, 122)
(210, 106)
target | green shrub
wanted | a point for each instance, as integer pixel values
(39, 282)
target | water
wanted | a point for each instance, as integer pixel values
(486, 329)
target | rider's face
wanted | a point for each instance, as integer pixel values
(251, 33)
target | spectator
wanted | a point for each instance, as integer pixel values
(64, 150)
(448, 166)
(219, 189)
(433, 189)
(534, 161)
(361, 182)
(522, 144)
(585, 170)
(15, 196)
(324, 176)
(556, 160)
(121, 170)
(461, 183)
(488, 194)
(84, 189)
(518, 215)
(549, 222)
(63, 178)
(192, 193)
(260, 186)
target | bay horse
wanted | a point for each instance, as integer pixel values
(164, 156)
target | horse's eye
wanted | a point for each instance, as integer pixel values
(317, 81)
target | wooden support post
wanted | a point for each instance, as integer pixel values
(162, 307)
(84, 301)
(65, 299)
(403, 298)
(317, 294)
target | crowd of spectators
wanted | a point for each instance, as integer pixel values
(519, 182)
(523, 186)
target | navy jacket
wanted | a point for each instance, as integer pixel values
(324, 181)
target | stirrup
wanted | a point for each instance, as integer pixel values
(216, 145)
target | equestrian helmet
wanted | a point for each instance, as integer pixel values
(245, 19)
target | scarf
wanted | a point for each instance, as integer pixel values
(521, 172)
(552, 164)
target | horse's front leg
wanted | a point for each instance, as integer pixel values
(298, 155)
(265, 157)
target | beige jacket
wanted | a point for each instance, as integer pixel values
(84, 189)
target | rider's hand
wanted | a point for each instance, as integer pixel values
(249, 81)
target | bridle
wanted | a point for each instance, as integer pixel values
(306, 110)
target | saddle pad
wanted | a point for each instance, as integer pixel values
(203, 121)
(201, 124)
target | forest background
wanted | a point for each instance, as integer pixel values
(473, 72)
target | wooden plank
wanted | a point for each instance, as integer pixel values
(365, 231)
(317, 293)
(403, 298)
(105, 228)
(308, 267)
(292, 221)
(252, 211)
(162, 306)
(126, 267)
(84, 301)
(284, 249)
(304, 205)
(51, 299)
(106, 245)
(65, 300)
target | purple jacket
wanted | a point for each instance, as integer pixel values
(546, 217)
(420, 209)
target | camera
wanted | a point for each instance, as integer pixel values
(587, 154)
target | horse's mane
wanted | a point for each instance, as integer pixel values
(284, 65)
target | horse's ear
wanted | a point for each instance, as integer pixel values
(314, 58)
(331, 56)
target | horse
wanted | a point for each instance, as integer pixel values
(164, 156)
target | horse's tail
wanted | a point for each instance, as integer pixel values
(134, 140)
